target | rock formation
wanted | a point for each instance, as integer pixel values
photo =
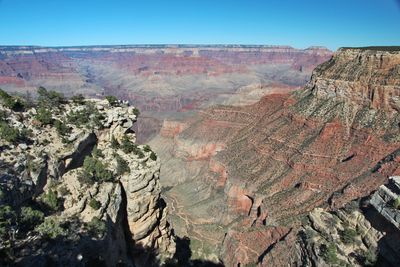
(333, 141)
(94, 194)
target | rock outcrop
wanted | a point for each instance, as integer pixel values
(99, 191)
(386, 200)
(322, 146)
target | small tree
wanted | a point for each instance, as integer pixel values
(51, 200)
(112, 100)
(51, 228)
(7, 218)
(14, 103)
(146, 148)
(29, 217)
(95, 170)
(97, 153)
(127, 145)
(44, 116)
(329, 253)
(153, 156)
(136, 112)
(96, 227)
(94, 204)
(8, 133)
(78, 99)
(122, 165)
(61, 128)
(114, 143)
(49, 99)
(348, 235)
(396, 203)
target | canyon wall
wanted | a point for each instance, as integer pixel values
(96, 194)
(333, 141)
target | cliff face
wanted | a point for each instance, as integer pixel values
(333, 141)
(94, 194)
(367, 78)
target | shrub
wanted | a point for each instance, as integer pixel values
(396, 203)
(8, 133)
(114, 143)
(78, 99)
(88, 116)
(51, 200)
(44, 116)
(51, 228)
(61, 128)
(29, 217)
(95, 170)
(7, 218)
(49, 99)
(127, 145)
(136, 112)
(146, 148)
(97, 153)
(96, 227)
(348, 235)
(122, 165)
(329, 253)
(112, 100)
(94, 204)
(153, 156)
(14, 103)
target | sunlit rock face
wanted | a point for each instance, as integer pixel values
(335, 140)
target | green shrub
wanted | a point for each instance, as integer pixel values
(97, 153)
(114, 143)
(153, 156)
(127, 145)
(61, 128)
(44, 116)
(14, 103)
(88, 116)
(51, 228)
(51, 200)
(94, 204)
(348, 235)
(146, 148)
(396, 203)
(94, 170)
(112, 100)
(96, 227)
(49, 99)
(136, 112)
(122, 165)
(7, 218)
(329, 253)
(8, 133)
(29, 217)
(78, 99)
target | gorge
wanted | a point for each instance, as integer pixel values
(269, 155)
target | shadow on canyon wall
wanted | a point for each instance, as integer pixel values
(181, 257)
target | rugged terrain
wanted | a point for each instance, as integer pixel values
(163, 81)
(75, 188)
(240, 174)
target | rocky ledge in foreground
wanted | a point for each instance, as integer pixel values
(75, 188)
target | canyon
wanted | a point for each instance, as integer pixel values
(267, 155)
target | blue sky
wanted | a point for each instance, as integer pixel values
(330, 23)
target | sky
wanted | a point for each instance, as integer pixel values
(299, 23)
